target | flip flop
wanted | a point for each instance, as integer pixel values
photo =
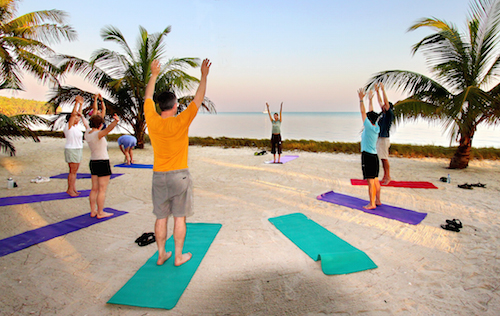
(443, 179)
(143, 237)
(455, 222)
(450, 227)
(479, 185)
(465, 186)
(149, 240)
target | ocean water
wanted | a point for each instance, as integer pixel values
(329, 126)
(324, 126)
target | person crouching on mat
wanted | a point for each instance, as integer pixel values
(369, 158)
(276, 133)
(100, 168)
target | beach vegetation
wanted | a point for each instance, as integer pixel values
(13, 106)
(24, 44)
(123, 76)
(464, 91)
(16, 126)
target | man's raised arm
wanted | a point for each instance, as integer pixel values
(150, 87)
(200, 93)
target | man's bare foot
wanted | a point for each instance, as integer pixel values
(370, 207)
(163, 258)
(104, 214)
(185, 258)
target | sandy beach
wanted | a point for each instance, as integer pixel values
(251, 268)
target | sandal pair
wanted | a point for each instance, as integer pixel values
(146, 239)
(453, 225)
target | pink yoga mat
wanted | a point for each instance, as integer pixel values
(400, 184)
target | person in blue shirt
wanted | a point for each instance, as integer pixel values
(369, 158)
(385, 122)
(126, 144)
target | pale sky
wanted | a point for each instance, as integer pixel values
(311, 55)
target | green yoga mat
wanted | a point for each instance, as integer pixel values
(162, 286)
(336, 255)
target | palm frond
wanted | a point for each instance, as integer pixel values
(207, 105)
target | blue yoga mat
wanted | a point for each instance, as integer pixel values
(162, 286)
(392, 212)
(25, 199)
(82, 176)
(134, 165)
(33, 237)
(336, 255)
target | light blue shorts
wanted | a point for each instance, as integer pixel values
(73, 155)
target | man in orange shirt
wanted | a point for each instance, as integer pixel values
(172, 185)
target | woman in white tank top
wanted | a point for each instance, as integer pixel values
(74, 145)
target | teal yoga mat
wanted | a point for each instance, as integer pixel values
(162, 286)
(336, 255)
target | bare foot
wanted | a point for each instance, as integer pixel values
(378, 203)
(370, 207)
(104, 214)
(72, 193)
(185, 258)
(93, 214)
(386, 181)
(163, 258)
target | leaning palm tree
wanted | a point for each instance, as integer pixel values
(17, 126)
(23, 44)
(464, 66)
(124, 76)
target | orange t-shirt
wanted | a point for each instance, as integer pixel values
(169, 136)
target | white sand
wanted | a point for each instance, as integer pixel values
(251, 268)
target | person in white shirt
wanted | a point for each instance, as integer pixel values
(100, 168)
(74, 145)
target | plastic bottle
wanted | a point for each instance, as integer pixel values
(10, 183)
(449, 178)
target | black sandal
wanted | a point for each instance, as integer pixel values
(479, 185)
(149, 240)
(465, 186)
(455, 222)
(451, 227)
(143, 237)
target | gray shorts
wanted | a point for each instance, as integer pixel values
(383, 144)
(73, 155)
(172, 193)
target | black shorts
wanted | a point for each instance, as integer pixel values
(370, 165)
(100, 168)
(275, 142)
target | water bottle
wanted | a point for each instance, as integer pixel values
(449, 178)
(10, 183)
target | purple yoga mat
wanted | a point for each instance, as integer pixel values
(25, 199)
(392, 212)
(285, 159)
(83, 176)
(33, 237)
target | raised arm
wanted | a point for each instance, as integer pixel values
(150, 87)
(110, 127)
(200, 93)
(94, 107)
(361, 95)
(386, 101)
(103, 111)
(269, 112)
(379, 98)
(281, 111)
(77, 109)
(370, 100)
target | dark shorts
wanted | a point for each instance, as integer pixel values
(275, 142)
(370, 165)
(100, 168)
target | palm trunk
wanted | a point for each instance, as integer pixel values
(462, 156)
(139, 131)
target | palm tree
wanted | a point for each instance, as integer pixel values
(464, 66)
(23, 44)
(124, 77)
(17, 126)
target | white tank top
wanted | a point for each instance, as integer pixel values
(74, 137)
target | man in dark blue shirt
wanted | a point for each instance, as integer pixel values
(385, 122)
